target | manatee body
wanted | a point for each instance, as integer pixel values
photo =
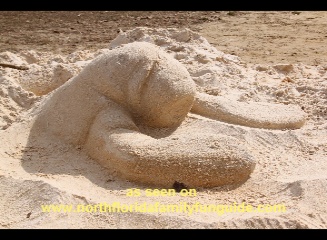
(102, 108)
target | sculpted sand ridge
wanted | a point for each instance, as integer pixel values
(138, 84)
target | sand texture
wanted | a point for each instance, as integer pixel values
(160, 105)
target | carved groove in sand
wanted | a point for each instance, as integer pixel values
(104, 107)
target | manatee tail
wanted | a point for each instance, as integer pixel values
(197, 159)
(250, 114)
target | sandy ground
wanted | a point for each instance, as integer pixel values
(273, 37)
(257, 37)
(275, 57)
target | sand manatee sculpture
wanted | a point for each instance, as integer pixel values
(103, 107)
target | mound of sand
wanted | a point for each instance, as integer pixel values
(138, 85)
(290, 164)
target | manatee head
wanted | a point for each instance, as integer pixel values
(166, 92)
(151, 84)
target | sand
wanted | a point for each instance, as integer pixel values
(39, 168)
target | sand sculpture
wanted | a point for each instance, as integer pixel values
(104, 107)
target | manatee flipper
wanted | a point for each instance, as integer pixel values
(197, 160)
(250, 114)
